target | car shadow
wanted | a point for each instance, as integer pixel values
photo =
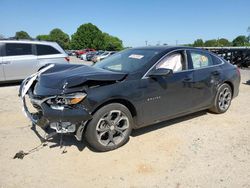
(10, 84)
(68, 141)
(154, 127)
(55, 141)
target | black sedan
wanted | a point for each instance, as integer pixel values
(131, 89)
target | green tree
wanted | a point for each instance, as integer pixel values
(43, 37)
(223, 42)
(211, 43)
(241, 41)
(248, 37)
(22, 35)
(87, 36)
(112, 43)
(198, 43)
(57, 35)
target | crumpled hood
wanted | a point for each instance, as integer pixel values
(68, 76)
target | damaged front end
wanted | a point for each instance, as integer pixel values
(58, 93)
(63, 113)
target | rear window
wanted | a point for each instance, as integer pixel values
(13, 49)
(216, 60)
(46, 50)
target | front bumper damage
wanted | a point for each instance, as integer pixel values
(62, 119)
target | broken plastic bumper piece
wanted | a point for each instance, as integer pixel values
(62, 118)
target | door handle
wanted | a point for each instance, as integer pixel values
(6, 62)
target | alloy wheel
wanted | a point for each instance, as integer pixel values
(112, 128)
(225, 97)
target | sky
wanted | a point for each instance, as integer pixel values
(133, 21)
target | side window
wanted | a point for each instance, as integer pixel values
(13, 49)
(216, 60)
(200, 60)
(46, 50)
(175, 61)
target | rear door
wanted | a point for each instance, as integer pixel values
(207, 75)
(19, 61)
(1, 65)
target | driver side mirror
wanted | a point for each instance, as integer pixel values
(160, 72)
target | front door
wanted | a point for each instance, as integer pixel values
(168, 96)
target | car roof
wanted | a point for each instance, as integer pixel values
(164, 48)
(53, 44)
(28, 42)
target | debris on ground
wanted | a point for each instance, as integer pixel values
(20, 155)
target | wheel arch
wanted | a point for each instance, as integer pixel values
(231, 85)
(124, 102)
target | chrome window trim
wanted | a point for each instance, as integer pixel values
(222, 62)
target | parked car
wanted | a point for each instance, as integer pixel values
(83, 57)
(131, 89)
(70, 52)
(21, 58)
(81, 52)
(103, 56)
(90, 55)
(94, 58)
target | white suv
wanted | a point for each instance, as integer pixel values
(21, 58)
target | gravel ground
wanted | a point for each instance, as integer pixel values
(199, 150)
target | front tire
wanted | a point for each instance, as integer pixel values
(223, 99)
(110, 127)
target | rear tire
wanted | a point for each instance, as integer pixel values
(110, 127)
(223, 99)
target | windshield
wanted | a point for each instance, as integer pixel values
(128, 60)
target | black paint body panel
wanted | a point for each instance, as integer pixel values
(149, 99)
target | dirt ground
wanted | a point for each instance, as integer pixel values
(199, 150)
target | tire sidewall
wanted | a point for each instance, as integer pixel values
(90, 133)
(223, 86)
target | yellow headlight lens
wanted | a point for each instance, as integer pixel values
(76, 100)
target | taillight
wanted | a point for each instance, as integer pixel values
(67, 59)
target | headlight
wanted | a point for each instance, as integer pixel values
(69, 99)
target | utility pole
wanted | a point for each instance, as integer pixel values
(176, 42)
(146, 42)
